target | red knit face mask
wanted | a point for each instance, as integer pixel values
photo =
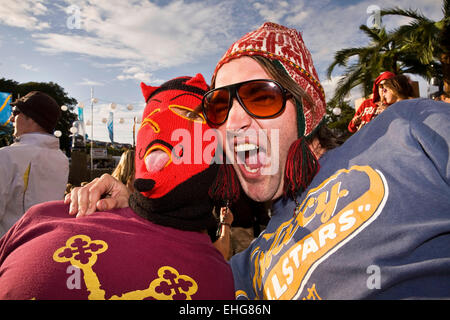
(170, 145)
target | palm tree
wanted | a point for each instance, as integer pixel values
(445, 57)
(421, 47)
(6, 135)
(427, 40)
(380, 55)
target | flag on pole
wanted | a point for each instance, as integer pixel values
(110, 125)
(5, 108)
(81, 114)
(82, 124)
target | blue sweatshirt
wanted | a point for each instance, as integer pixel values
(373, 224)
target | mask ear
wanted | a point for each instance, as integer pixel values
(147, 90)
(198, 81)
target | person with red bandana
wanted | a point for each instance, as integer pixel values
(156, 249)
(367, 110)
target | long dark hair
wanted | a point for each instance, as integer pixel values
(401, 86)
(327, 138)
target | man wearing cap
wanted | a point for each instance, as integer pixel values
(33, 169)
(372, 223)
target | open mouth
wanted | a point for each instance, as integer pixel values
(157, 155)
(250, 155)
(156, 159)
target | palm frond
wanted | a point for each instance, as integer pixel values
(446, 8)
(415, 47)
(351, 79)
(341, 58)
(374, 34)
(408, 13)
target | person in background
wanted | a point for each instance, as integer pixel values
(368, 108)
(445, 97)
(33, 169)
(394, 89)
(124, 172)
(372, 223)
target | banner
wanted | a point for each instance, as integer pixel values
(5, 108)
(81, 114)
(110, 126)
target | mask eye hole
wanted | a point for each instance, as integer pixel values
(178, 151)
(187, 113)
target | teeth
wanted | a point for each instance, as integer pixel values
(249, 169)
(245, 147)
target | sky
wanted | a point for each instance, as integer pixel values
(110, 46)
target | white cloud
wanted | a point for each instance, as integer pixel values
(277, 11)
(329, 86)
(29, 67)
(87, 82)
(60, 43)
(149, 35)
(24, 14)
(139, 75)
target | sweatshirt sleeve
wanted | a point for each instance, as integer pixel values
(432, 132)
(351, 125)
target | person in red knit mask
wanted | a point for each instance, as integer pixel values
(158, 248)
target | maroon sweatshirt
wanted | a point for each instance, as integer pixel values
(49, 254)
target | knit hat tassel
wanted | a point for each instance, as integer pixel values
(226, 187)
(301, 167)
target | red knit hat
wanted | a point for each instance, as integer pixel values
(285, 45)
(383, 76)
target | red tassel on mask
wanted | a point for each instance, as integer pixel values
(301, 167)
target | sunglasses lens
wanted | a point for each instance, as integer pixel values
(262, 98)
(216, 105)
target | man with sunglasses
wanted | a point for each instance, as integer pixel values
(373, 223)
(33, 169)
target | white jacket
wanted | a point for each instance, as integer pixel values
(32, 170)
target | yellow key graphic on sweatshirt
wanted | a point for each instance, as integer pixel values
(82, 252)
